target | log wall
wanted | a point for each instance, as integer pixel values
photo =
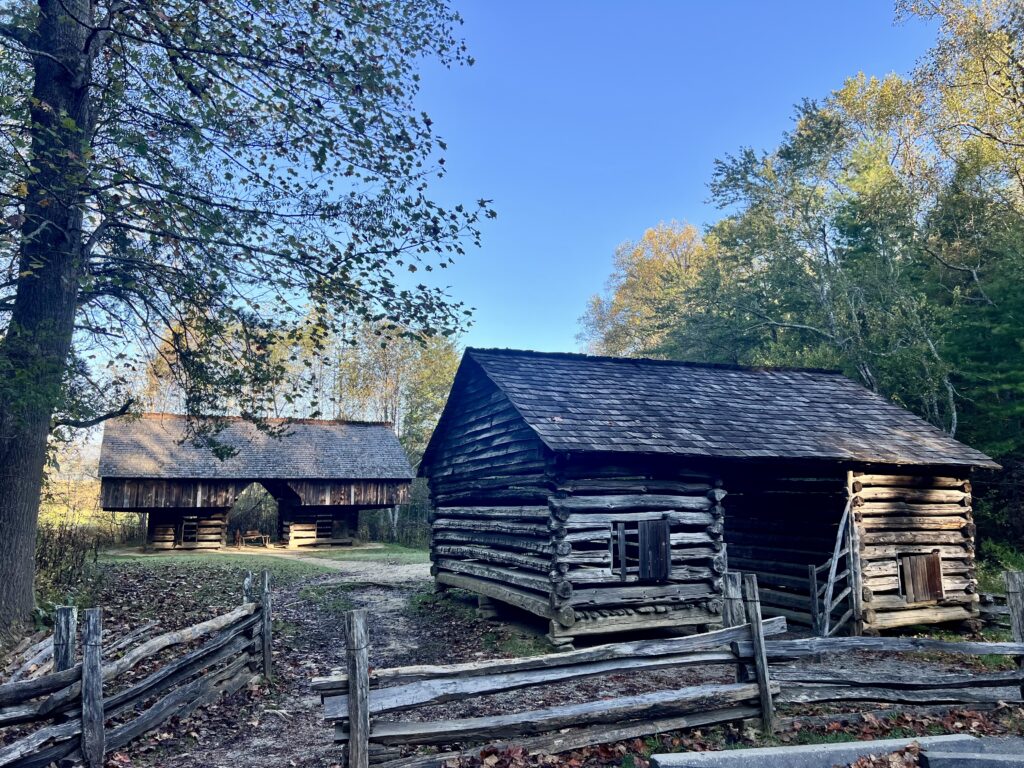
(544, 544)
(777, 526)
(916, 514)
(187, 528)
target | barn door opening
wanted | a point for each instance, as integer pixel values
(641, 551)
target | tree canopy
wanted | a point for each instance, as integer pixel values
(883, 236)
(210, 179)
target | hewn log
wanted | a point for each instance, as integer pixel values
(598, 596)
(583, 520)
(659, 703)
(912, 537)
(914, 495)
(914, 523)
(632, 503)
(934, 615)
(633, 486)
(678, 574)
(496, 513)
(526, 600)
(913, 481)
(521, 579)
(542, 530)
(544, 545)
(539, 564)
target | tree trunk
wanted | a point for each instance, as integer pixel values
(34, 353)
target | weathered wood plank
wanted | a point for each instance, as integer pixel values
(657, 704)
(784, 650)
(636, 649)
(1014, 582)
(752, 608)
(577, 738)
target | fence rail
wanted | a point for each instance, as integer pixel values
(355, 701)
(766, 676)
(72, 704)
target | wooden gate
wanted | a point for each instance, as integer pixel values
(832, 601)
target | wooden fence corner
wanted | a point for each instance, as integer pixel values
(65, 638)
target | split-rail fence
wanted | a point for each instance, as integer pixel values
(769, 673)
(72, 707)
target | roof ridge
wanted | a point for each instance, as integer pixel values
(652, 361)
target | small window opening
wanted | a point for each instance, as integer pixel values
(642, 551)
(921, 577)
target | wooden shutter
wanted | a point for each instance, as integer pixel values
(921, 576)
(655, 553)
(642, 549)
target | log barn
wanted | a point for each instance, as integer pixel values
(321, 473)
(610, 494)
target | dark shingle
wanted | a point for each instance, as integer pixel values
(584, 403)
(152, 447)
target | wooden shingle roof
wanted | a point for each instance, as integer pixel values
(583, 403)
(152, 447)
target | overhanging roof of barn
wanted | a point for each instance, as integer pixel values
(581, 403)
(154, 446)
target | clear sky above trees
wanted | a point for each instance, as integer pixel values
(591, 121)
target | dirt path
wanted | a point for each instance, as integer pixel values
(284, 726)
(362, 571)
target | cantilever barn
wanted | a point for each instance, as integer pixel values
(610, 494)
(321, 473)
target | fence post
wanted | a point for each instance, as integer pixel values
(752, 603)
(265, 610)
(357, 650)
(1014, 581)
(65, 637)
(93, 741)
(247, 592)
(812, 581)
(732, 611)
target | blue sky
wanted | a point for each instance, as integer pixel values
(587, 122)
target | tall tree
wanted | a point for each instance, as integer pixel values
(206, 177)
(629, 318)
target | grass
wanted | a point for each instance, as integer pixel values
(282, 572)
(995, 558)
(330, 598)
(387, 553)
(454, 604)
